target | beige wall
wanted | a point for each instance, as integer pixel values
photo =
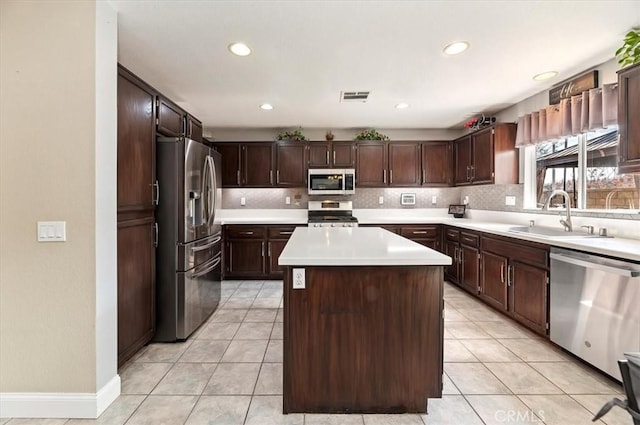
(47, 172)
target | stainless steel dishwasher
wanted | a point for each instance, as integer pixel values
(595, 307)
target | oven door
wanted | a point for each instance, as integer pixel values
(326, 182)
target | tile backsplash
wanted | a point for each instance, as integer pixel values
(484, 197)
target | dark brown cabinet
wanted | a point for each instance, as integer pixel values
(463, 248)
(278, 236)
(136, 198)
(170, 118)
(245, 251)
(629, 119)
(427, 235)
(371, 164)
(437, 164)
(230, 153)
(469, 259)
(291, 160)
(451, 241)
(252, 252)
(515, 280)
(487, 156)
(380, 164)
(247, 164)
(404, 164)
(331, 154)
(193, 128)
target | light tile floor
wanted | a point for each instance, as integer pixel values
(230, 372)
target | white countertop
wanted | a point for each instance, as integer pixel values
(356, 246)
(490, 222)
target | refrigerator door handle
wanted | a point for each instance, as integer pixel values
(212, 189)
(207, 246)
(212, 265)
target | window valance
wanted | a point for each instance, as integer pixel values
(593, 109)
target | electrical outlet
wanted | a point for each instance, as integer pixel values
(380, 200)
(243, 201)
(287, 200)
(298, 279)
(510, 200)
(434, 200)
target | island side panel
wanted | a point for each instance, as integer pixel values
(363, 339)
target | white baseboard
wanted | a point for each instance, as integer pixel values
(59, 405)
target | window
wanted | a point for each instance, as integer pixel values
(585, 167)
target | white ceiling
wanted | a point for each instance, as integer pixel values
(306, 52)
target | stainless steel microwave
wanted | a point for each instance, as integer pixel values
(332, 181)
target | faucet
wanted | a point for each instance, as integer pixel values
(568, 227)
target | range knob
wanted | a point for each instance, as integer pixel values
(333, 225)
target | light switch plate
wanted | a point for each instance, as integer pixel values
(380, 200)
(434, 200)
(510, 200)
(298, 279)
(52, 231)
(243, 201)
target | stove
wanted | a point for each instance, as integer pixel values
(331, 214)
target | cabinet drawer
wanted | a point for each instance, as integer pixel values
(469, 239)
(246, 232)
(423, 232)
(452, 235)
(517, 251)
(279, 232)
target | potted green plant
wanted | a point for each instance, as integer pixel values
(295, 135)
(629, 53)
(371, 135)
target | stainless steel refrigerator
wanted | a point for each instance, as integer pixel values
(188, 257)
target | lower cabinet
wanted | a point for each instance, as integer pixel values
(251, 252)
(515, 279)
(428, 235)
(463, 248)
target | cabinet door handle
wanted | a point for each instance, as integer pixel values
(502, 273)
(424, 178)
(419, 232)
(270, 176)
(156, 193)
(455, 255)
(509, 276)
(390, 176)
(473, 172)
(285, 233)
(334, 157)
(461, 256)
(384, 176)
(262, 248)
(155, 235)
(238, 177)
(327, 157)
(246, 233)
(278, 177)
(468, 173)
(269, 250)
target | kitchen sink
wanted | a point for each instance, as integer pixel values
(548, 232)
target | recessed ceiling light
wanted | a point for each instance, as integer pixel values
(240, 49)
(266, 106)
(455, 48)
(402, 105)
(545, 75)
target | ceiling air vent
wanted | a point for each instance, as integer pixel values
(354, 96)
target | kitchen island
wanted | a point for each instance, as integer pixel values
(363, 322)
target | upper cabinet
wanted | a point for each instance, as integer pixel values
(380, 164)
(246, 164)
(169, 121)
(193, 128)
(487, 156)
(331, 154)
(629, 119)
(291, 164)
(437, 163)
